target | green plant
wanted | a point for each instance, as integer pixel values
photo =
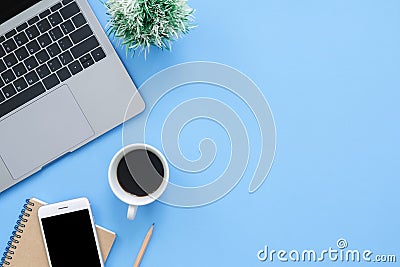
(139, 24)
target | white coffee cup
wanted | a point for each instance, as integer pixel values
(132, 200)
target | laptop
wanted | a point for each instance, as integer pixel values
(61, 84)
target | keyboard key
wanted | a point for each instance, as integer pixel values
(9, 91)
(98, 54)
(53, 50)
(54, 64)
(10, 60)
(44, 13)
(43, 25)
(84, 47)
(1, 85)
(9, 45)
(51, 81)
(31, 63)
(8, 76)
(21, 39)
(2, 39)
(2, 52)
(78, 20)
(86, 60)
(42, 56)
(63, 74)
(65, 43)
(33, 47)
(22, 27)
(55, 19)
(44, 40)
(65, 2)
(31, 77)
(56, 7)
(75, 67)
(19, 69)
(56, 33)
(21, 98)
(2, 98)
(88, 63)
(32, 32)
(20, 84)
(43, 71)
(21, 53)
(81, 34)
(2, 66)
(66, 58)
(33, 20)
(67, 27)
(69, 11)
(11, 33)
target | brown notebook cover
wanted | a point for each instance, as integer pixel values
(28, 249)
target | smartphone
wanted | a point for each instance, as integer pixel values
(69, 232)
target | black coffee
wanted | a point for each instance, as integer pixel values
(140, 172)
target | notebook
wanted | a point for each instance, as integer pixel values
(26, 247)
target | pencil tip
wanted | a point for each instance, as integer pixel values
(154, 224)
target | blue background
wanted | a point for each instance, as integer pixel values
(330, 72)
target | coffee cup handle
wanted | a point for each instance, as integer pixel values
(131, 212)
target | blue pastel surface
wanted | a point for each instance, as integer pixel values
(330, 72)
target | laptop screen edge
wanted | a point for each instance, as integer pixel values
(11, 8)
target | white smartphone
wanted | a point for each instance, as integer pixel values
(69, 232)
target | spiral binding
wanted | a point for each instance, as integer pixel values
(16, 234)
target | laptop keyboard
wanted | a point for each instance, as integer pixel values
(43, 52)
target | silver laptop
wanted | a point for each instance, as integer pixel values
(61, 84)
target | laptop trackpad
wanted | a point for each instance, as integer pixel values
(42, 131)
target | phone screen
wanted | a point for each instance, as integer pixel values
(68, 237)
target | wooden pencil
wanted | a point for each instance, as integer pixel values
(144, 246)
